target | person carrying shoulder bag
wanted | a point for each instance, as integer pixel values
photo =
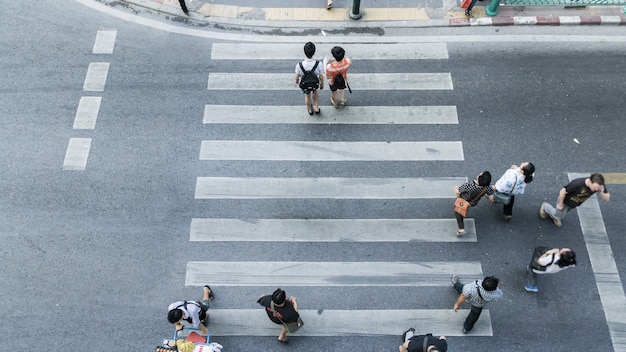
(548, 261)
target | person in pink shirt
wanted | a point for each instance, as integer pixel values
(337, 75)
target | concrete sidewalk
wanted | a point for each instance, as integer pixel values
(306, 14)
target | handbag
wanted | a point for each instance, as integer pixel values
(465, 3)
(504, 198)
(539, 251)
(461, 205)
(291, 326)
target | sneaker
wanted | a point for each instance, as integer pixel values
(406, 332)
(454, 279)
(557, 222)
(542, 211)
(468, 13)
(508, 217)
(465, 331)
(531, 288)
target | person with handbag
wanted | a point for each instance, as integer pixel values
(512, 183)
(282, 310)
(422, 343)
(478, 293)
(337, 75)
(548, 261)
(468, 194)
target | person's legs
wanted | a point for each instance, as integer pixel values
(316, 101)
(507, 209)
(555, 214)
(183, 6)
(531, 282)
(334, 96)
(282, 337)
(460, 223)
(468, 12)
(342, 97)
(307, 102)
(472, 318)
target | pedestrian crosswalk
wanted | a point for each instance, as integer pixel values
(358, 81)
(260, 188)
(329, 230)
(361, 115)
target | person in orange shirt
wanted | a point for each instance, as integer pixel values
(337, 75)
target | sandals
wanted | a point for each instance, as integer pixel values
(343, 102)
(285, 340)
(333, 102)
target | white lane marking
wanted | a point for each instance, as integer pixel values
(360, 81)
(96, 77)
(326, 322)
(105, 42)
(77, 154)
(604, 268)
(330, 151)
(87, 113)
(358, 115)
(406, 274)
(330, 230)
(332, 39)
(325, 188)
(274, 51)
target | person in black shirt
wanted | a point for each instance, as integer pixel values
(422, 343)
(574, 194)
(281, 310)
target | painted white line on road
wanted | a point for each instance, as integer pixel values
(277, 51)
(77, 154)
(406, 274)
(330, 151)
(604, 268)
(96, 77)
(325, 188)
(87, 113)
(325, 322)
(360, 81)
(105, 42)
(358, 115)
(330, 230)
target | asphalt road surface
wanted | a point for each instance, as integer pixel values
(139, 165)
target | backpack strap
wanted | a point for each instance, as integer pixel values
(312, 70)
(425, 345)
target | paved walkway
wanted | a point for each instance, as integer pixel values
(382, 13)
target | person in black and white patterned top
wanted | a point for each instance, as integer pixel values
(477, 293)
(472, 192)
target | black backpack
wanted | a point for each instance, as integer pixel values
(309, 81)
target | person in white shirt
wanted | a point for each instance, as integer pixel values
(548, 261)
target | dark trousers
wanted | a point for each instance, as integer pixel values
(508, 208)
(183, 6)
(471, 5)
(459, 220)
(474, 314)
